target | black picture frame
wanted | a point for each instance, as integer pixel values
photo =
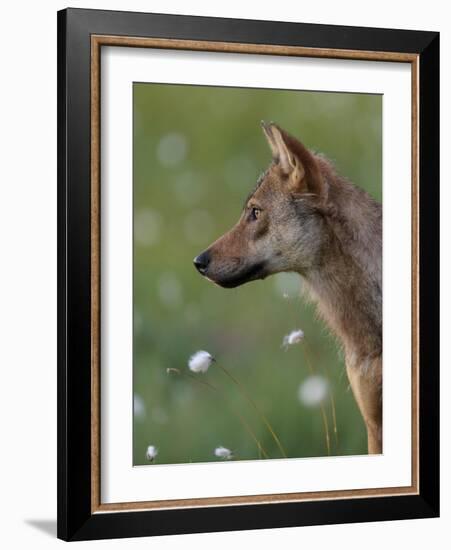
(76, 521)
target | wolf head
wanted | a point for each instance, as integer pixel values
(281, 227)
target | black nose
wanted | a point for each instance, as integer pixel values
(201, 262)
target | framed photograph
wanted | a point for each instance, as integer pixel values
(248, 274)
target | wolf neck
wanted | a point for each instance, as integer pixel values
(346, 284)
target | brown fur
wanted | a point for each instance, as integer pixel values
(304, 217)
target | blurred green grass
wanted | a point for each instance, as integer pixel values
(197, 153)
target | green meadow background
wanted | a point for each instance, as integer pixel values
(197, 153)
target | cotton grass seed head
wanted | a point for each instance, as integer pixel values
(294, 337)
(200, 361)
(313, 390)
(139, 407)
(223, 452)
(151, 453)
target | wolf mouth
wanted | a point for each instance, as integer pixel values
(256, 271)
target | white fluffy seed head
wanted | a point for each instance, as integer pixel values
(139, 407)
(313, 390)
(223, 452)
(294, 337)
(151, 453)
(200, 361)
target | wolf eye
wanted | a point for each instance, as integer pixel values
(255, 213)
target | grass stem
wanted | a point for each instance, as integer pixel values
(247, 396)
(261, 450)
(323, 410)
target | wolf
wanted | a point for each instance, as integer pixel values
(303, 217)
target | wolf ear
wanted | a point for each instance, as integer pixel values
(295, 161)
(289, 163)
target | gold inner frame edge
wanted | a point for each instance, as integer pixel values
(97, 41)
